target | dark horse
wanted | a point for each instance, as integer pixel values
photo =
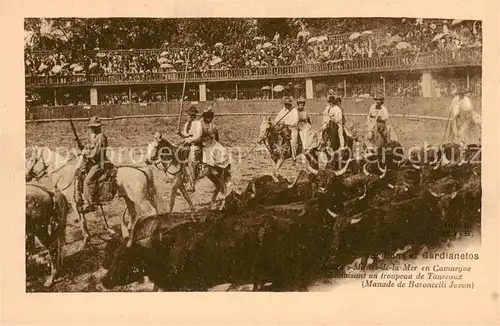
(278, 143)
(328, 142)
(173, 160)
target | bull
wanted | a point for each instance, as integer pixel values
(385, 229)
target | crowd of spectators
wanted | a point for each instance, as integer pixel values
(307, 47)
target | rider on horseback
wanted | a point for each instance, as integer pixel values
(333, 112)
(304, 125)
(214, 154)
(192, 133)
(288, 118)
(461, 109)
(377, 110)
(94, 155)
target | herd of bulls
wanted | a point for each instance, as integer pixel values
(289, 234)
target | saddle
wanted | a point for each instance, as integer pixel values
(106, 187)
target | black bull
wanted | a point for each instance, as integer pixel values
(198, 256)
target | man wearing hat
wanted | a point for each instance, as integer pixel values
(288, 117)
(304, 125)
(461, 109)
(334, 112)
(95, 155)
(377, 110)
(192, 133)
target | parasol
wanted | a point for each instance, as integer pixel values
(101, 55)
(354, 36)
(266, 87)
(56, 69)
(456, 22)
(322, 38)
(312, 39)
(162, 60)
(267, 45)
(403, 45)
(164, 53)
(215, 61)
(92, 65)
(278, 88)
(219, 44)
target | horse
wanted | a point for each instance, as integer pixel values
(278, 143)
(173, 162)
(134, 184)
(327, 141)
(46, 213)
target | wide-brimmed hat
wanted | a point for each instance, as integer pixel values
(192, 111)
(207, 113)
(379, 97)
(94, 122)
(287, 100)
(301, 100)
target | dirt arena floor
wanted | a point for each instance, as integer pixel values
(82, 268)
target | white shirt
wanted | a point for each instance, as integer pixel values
(195, 131)
(459, 106)
(375, 113)
(332, 113)
(291, 119)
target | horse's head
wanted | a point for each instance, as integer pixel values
(36, 165)
(265, 127)
(159, 148)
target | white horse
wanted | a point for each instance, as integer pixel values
(134, 184)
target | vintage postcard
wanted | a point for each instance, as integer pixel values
(237, 158)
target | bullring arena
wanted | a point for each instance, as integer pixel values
(417, 120)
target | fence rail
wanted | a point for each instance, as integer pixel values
(432, 60)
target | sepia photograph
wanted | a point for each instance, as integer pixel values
(221, 163)
(266, 154)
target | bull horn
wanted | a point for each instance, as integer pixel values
(355, 220)
(384, 171)
(312, 170)
(254, 190)
(416, 167)
(390, 186)
(462, 162)
(438, 164)
(344, 169)
(454, 194)
(332, 214)
(290, 186)
(434, 194)
(363, 196)
(365, 171)
(444, 159)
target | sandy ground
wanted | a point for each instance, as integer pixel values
(82, 268)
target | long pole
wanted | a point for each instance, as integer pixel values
(183, 91)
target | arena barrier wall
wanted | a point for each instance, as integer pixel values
(430, 108)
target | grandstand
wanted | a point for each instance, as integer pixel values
(407, 59)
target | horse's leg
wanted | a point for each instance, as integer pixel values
(132, 212)
(105, 220)
(188, 200)
(125, 233)
(279, 163)
(85, 230)
(217, 183)
(53, 251)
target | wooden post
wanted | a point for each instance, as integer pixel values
(468, 81)
(345, 88)
(272, 90)
(166, 93)
(236, 91)
(130, 99)
(55, 96)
